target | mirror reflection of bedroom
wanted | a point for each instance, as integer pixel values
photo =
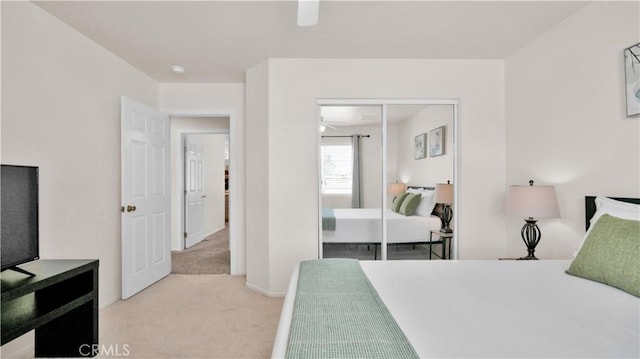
(416, 179)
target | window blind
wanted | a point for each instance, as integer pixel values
(336, 166)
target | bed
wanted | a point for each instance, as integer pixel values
(466, 309)
(364, 225)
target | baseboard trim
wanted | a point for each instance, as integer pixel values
(262, 291)
(109, 302)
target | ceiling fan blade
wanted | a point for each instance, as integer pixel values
(308, 12)
(324, 123)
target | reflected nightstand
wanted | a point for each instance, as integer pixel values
(442, 238)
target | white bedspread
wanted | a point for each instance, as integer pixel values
(508, 309)
(364, 225)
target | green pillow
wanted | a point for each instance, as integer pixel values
(611, 254)
(397, 201)
(410, 204)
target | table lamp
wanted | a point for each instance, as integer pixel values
(444, 195)
(395, 189)
(532, 202)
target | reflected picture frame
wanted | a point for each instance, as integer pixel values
(632, 79)
(437, 141)
(420, 146)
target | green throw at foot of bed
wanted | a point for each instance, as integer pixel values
(328, 220)
(338, 314)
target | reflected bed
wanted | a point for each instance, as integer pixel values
(364, 225)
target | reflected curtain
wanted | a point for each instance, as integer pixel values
(356, 188)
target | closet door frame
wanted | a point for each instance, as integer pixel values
(384, 103)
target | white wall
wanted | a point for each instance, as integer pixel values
(430, 170)
(61, 112)
(566, 123)
(285, 103)
(258, 179)
(179, 127)
(222, 99)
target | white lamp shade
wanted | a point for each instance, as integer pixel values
(444, 193)
(533, 201)
(396, 188)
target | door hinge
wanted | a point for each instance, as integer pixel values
(185, 234)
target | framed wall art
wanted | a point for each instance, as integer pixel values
(437, 141)
(632, 79)
(419, 146)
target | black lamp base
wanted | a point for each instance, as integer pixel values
(531, 236)
(446, 216)
(528, 258)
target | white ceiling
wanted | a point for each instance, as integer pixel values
(217, 41)
(340, 116)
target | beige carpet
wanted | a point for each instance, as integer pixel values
(193, 316)
(210, 256)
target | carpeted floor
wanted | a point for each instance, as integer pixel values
(192, 316)
(211, 256)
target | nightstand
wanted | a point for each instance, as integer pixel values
(514, 259)
(442, 238)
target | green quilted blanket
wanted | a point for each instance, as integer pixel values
(328, 220)
(338, 314)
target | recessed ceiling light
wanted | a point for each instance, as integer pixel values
(177, 69)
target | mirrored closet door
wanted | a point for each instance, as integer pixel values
(351, 181)
(419, 162)
(387, 174)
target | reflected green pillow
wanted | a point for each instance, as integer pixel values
(410, 203)
(611, 254)
(397, 201)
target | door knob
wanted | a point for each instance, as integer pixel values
(128, 209)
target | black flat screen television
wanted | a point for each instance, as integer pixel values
(19, 215)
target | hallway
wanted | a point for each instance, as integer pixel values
(210, 256)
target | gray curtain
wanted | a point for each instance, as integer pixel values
(356, 190)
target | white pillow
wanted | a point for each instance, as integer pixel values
(613, 208)
(415, 190)
(427, 203)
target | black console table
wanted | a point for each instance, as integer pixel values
(60, 302)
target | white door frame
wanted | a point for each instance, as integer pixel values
(384, 103)
(234, 181)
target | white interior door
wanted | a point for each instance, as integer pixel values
(194, 191)
(146, 250)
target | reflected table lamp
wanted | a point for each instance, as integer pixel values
(533, 203)
(395, 189)
(444, 195)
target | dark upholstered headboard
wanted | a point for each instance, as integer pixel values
(421, 187)
(590, 206)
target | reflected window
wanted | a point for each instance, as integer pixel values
(337, 167)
